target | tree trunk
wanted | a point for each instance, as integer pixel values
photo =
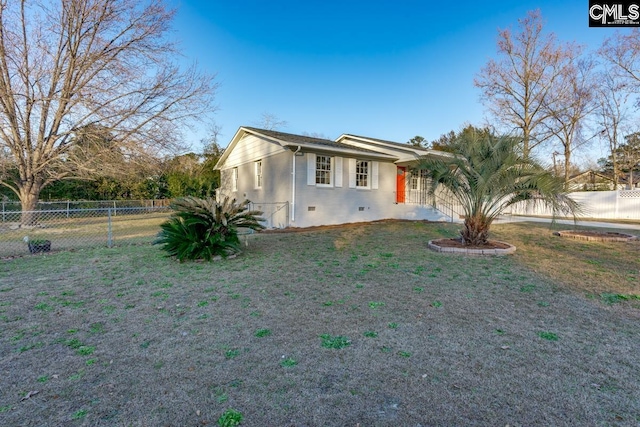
(567, 163)
(29, 197)
(475, 231)
(525, 142)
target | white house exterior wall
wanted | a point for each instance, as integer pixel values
(252, 148)
(276, 180)
(317, 205)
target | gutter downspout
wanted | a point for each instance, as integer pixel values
(293, 186)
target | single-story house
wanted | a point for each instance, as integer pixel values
(591, 180)
(302, 181)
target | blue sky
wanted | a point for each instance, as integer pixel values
(385, 69)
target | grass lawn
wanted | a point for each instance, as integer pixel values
(355, 325)
(82, 232)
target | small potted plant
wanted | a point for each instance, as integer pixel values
(37, 245)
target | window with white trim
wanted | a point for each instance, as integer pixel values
(234, 179)
(414, 182)
(323, 170)
(362, 174)
(258, 171)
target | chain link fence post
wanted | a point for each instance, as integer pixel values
(109, 229)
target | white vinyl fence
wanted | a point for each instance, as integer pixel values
(622, 204)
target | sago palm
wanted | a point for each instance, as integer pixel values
(204, 228)
(486, 175)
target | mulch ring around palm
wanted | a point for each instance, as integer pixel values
(598, 236)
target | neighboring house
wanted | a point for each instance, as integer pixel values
(590, 181)
(596, 181)
(301, 181)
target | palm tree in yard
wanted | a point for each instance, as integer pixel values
(486, 175)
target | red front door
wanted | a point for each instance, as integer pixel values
(400, 184)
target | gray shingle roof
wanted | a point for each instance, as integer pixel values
(397, 144)
(303, 139)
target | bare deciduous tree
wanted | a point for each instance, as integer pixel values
(622, 51)
(270, 121)
(612, 113)
(517, 85)
(573, 101)
(71, 65)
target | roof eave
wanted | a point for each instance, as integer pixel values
(416, 151)
(328, 149)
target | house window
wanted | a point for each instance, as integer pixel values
(234, 179)
(414, 182)
(258, 174)
(323, 170)
(362, 174)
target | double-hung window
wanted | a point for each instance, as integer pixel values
(414, 182)
(323, 170)
(258, 171)
(362, 174)
(234, 179)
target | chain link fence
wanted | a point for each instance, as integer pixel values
(69, 227)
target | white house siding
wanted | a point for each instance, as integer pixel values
(317, 205)
(274, 195)
(251, 148)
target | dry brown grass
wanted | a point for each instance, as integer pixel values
(470, 342)
(584, 266)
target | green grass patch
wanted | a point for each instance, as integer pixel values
(79, 414)
(288, 362)
(43, 306)
(613, 298)
(335, 342)
(260, 333)
(85, 350)
(550, 336)
(232, 353)
(74, 343)
(230, 418)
